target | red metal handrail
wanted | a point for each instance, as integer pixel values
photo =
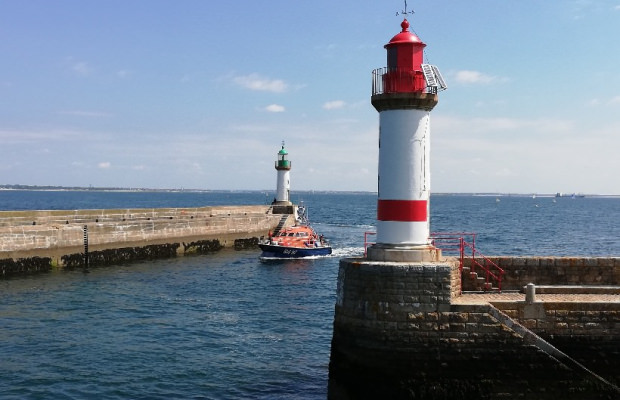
(366, 242)
(451, 242)
(491, 269)
(455, 244)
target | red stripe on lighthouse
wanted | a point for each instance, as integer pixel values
(402, 210)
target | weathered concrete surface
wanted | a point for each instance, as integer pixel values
(59, 234)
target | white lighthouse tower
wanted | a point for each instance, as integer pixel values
(386, 343)
(404, 93)
(283, 188)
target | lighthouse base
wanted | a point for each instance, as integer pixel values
(403, 253)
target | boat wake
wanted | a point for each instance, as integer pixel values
(336, 253)
(348, 252)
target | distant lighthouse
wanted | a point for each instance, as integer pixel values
(283, 188)
(404, 93)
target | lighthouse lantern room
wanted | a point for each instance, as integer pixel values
(404, 93)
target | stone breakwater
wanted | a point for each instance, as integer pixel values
(406, 331)
(32, 241)
(519, 271)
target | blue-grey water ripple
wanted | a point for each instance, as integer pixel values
(227, 325)
(197, 327)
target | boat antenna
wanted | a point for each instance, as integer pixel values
(405, 12)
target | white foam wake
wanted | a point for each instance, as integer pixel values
(348, 252)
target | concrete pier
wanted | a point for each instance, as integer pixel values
(44, 239)
(406, 331)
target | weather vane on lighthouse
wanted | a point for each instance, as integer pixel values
(405, 12)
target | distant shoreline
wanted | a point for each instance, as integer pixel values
(93, 189)
(143, 190)
(183, 190)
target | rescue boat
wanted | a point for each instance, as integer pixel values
(294, 242)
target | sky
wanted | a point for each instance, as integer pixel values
(200, 94)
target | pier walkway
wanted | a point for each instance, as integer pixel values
(471, 298)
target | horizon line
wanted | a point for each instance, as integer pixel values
(146, 189)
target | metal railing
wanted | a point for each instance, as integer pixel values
(463, 246)
(395, 80)
(366, 242)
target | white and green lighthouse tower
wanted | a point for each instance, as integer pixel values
(283, 166)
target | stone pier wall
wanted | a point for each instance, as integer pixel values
(32, 241)
(400, 334)
(519, 271)
(552, 319)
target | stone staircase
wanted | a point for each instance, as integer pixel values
(476, 281)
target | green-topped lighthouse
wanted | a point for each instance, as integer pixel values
(283, 166)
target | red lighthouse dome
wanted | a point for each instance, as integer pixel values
(405, 56)
(407, 48)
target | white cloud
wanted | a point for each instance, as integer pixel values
(597, 102)
(523, 127)
(333, 105)
(81, 68)
(274, 108)
(469, 77)
(615, 100)
(504, 172)
(326, 47)
(250, 128)
(79, 113)
(17, 136)
(259, 83)
(104, 165)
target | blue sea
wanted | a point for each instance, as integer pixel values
(227, 325)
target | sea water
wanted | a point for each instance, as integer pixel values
(226, 325)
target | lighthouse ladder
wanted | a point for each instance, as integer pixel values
(433, 77)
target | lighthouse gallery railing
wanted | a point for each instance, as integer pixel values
(399, 80)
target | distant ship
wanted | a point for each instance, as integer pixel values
(572, 196)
